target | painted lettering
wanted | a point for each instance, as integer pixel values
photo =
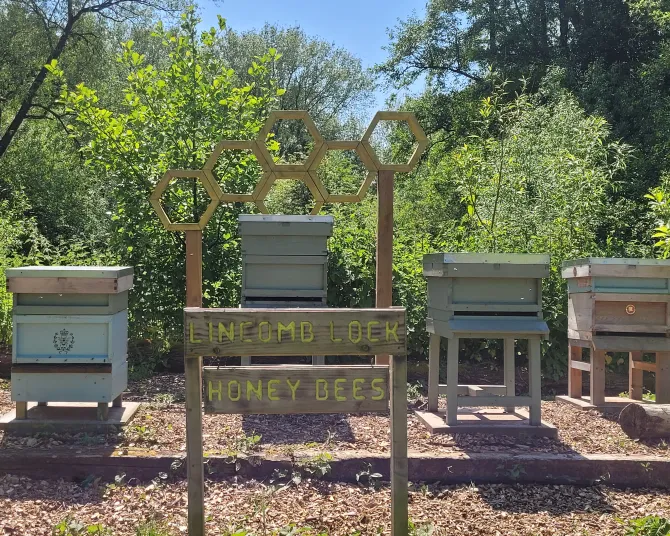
(230, 390)
(323, 383)
(211, 391)
(210, 331)
(378, 385)
(243, 325)
(293, 387)
(230, 332)
(339, 389)
(358, 326)
(260, 331)
(257, 390)
(392, 331)
(306, 333)
(370, 325)
(332, 333)
(191, 336)
(357, 389)
(272, 391)
(290, 327)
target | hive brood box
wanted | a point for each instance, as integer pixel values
(70, 333)
(617, 305)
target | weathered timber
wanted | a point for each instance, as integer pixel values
(645, 421)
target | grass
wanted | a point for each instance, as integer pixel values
(647, 526)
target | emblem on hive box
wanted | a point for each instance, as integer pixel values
(63, 341)
(630, 309)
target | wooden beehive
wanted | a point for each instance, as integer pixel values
(284, 260)
(617, 296)
(485, 290)
(70, 333)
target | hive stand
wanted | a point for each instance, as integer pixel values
(617, 305)
(485, 296)
(284, 262)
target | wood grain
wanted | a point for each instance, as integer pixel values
(574, 374)
(69, 285)
(635, 384)
(384, 274)
(399, 462)
(645, 421)
(294, 332)
(296, 389)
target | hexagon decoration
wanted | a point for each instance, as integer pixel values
(415, 128)
(316, 191)
(236, 145)
(300, 115)
(210, 186)
(345, 145)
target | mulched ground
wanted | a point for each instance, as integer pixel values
(160, 425)
(33, 507)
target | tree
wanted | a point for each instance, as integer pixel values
(54, 25)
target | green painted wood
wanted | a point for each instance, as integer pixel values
(106, 272)
(70, 387)
(620, 285)
(488, 265)
(284, 225)
(489, 327)
(284, 276)
(482, 291)
(70, 304)
(70, 338)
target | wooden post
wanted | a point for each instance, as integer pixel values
(452, 381)
(384, 284)
(103, 411)
(193, 378)
(118, 401)
(22, 410)
(635, 383)
(597, 377)
(535, 380)
(433, 371)
(399, 464)
(663, 377)
(508, 362)
(574, 374)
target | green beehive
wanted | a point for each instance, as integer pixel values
(70, 333)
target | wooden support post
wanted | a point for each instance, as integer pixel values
(663, 377)
(103, 411)
(399, 464)
(452, 381)
(635, 383)
(574, 374)
(597, 377)
(509, 362)
(193, 377)
(118, 401)
(384, 284)
(42, 404)
(433, 371)
(535, 381)
(22, 410)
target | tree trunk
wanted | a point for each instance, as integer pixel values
(493, 46)
(563, 27)
(645, 421)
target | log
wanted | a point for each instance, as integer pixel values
(645, 421)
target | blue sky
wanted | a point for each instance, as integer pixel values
(356, 25)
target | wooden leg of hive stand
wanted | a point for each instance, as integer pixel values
(634, 376)
(663, 377)
(535, 380)
(118, 401)
(22, 410)
(452, 381)
(103, 411)
(509, 368)
(597, 377)
(574, 374)
(41, 404)
(433, 371)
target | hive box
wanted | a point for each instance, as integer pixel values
(70, 334)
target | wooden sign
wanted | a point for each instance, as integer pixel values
(293, 332)
(296, 389)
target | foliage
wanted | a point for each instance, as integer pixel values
(660, 208)
(174, 113)
(647, 526)
(72, 527)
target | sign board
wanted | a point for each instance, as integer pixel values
(294, 332)
(296, 389)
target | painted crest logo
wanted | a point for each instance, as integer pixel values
(63, 341)
(630, 309)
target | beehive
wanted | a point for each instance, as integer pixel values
(617, 305)
(70, 334)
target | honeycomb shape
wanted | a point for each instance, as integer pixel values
(299, 115)
(210, 186)
(234, 145)
(315, 187)
(414, 127)
(345, 145)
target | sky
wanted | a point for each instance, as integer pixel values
(359, 26)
